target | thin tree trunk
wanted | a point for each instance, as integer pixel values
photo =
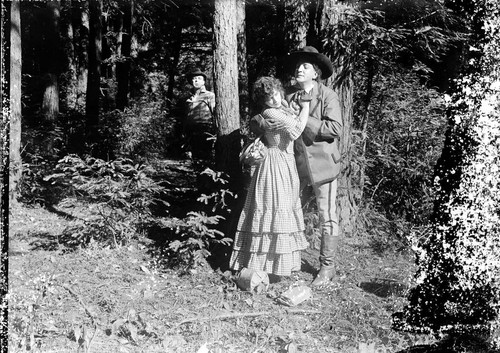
(94, 67)
(50, 103)
(242, 60)
(69, 94)
(15, 163)
(347, 196)
(81, 40)
(176, 50)
(123, 67)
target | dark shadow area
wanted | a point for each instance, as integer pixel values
(384, 287)
(53, 242)
(51, 208)
(455, 344)
(307, 267)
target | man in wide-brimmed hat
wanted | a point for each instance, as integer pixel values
(317, 150)
(199, 115)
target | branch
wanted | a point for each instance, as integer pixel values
(238, 315)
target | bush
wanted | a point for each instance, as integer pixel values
(145, 129)
(396, 153)
(121, 194)
(190, 239)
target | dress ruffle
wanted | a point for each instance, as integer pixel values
(278, 254)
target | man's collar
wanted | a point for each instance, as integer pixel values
(313, 89)
(202, 89)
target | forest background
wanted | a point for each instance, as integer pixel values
(101, 90)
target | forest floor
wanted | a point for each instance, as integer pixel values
(102, 299)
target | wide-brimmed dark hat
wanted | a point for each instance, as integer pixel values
(311, 55)
(195, 72)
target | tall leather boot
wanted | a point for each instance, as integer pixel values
(329, 245)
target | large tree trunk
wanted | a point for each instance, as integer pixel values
(15, 164)
(226, 84)
(52, 48)
(347, 201)
(123, 66)
(94, 68)
(242, 60)
(459, 259)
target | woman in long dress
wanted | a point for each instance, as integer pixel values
(270, 233)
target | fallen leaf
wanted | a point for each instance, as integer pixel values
(249, 301)
(203, 349)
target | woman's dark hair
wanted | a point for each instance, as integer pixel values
(264, 87)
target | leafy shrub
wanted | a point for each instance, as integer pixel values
(144, 130)
(396, 147)
(32, 187)
(190, 238)
(406, 135)
(121, 196)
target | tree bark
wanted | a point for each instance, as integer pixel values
(242, 60)
(123, 66)
(94, 67)
(176, 52)
(459, 257)
(81, 26)
(52, 49)
(69, 94)
(226, 84)
(346, 195)
(15, 163)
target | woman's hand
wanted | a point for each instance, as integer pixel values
(275, 124)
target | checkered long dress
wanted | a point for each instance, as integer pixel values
(270, 233)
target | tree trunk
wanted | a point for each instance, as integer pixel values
(81, 26)
(176, 50)
(123, 66)
(94, 68)
(6, 26)
(226, 84)
(242, 60)
(52, 49)
(459, 259)
(69, 94)
(347, 196)
(15, 163)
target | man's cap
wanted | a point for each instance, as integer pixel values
(311, 55)
(195, 72)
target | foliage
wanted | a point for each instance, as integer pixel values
(405, 135)
(122, 194)
(413, 34)
(191, 237)
(141, 131)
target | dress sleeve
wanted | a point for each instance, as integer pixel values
(293, 126)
